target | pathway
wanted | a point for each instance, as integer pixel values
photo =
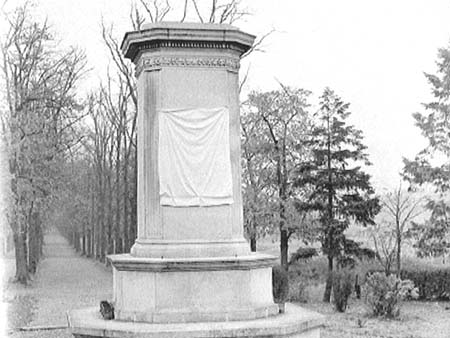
(65, 280)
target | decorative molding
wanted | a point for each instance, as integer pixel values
(152, 63)
(126, 262)
(189, 44)
(135, 47)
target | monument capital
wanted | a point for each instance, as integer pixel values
(185, 35)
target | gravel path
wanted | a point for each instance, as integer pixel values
(65, 281)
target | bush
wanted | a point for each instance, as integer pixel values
(280, 284)
(433, 284)
(342, 288)
(297, 289)
(384, 293)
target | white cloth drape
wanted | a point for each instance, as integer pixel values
(194, 157)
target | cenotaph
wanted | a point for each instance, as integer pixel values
(190, 272)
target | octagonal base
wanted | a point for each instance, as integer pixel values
(181, 290)
(294, 323)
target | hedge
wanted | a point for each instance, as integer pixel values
(280, 284)
(433, 284)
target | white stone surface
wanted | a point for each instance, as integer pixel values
(192, 290)
(200, 87)
(295, 323)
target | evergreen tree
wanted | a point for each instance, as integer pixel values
(340, 189)
(431, 167)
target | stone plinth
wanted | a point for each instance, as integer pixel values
(295, 323)
(176, 290)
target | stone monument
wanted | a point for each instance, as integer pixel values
(190, 272)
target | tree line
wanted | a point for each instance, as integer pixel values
(72, 157)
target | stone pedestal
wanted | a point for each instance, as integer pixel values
(190, 272)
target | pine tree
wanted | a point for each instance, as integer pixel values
(431, 167)
(340, 189)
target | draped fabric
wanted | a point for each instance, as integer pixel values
(194, 157)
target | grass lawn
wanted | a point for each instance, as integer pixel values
(417, 320)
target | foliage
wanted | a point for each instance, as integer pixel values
(338, 188)
(256, 170)
(342, 288)
(433, 284)
(384, 294)
(42, 107)
(280, 284)
(303, 253)
(431, 166)
(298, 288)
(432, 236)
(274, 127)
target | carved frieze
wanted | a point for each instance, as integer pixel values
(151, 63)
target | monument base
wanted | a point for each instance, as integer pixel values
(180, 290)
(296, 322)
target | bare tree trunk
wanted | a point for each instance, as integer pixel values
(284, 245)
(22, 275)
(330, 216)
(125, 245)
(328, 285)
(83, 239)
(399, 253)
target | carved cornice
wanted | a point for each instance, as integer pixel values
(152, 63)
(185, 36)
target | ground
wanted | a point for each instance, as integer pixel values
(66, 280)
(417, 320)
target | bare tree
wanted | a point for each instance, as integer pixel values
(402, 208)
(383, 238)
(283, 121)
(40, 82)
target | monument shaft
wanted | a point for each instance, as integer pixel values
(186, 74)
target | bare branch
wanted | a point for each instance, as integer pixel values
(197, 11)
(148, 10)
(244, 79)
(257, 45)
(184, 10)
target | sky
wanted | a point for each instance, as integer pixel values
(372, 53)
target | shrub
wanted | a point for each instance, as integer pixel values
(433, 284)
(342, 288)
(384, 293)
(280, 284)
(297, 289)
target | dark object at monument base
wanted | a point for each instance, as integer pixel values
(107, 310)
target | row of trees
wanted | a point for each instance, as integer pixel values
(98, 194)
(41, 111)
